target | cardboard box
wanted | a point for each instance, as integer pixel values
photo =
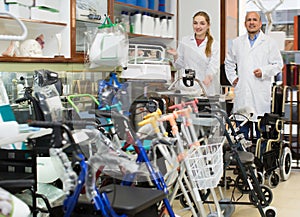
(41, 13)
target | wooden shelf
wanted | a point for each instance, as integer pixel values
(42, 59)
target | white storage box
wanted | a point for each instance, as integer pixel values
(55, 4)
(18, 10)
(41, 13)
(147, 71)
(22, 2)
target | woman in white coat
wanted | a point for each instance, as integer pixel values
(200, 52)
(251, 63)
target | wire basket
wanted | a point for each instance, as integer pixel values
(205, 165)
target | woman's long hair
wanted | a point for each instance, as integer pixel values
(208, 35)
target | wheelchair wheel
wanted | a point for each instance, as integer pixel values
(286, 163)
(260, 178)
(203, 196)
(273, 179)
(267, 194)
(183, 201)
(241, 185)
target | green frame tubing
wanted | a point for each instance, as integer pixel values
(70, 100)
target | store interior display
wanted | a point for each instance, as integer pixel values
(98, 122)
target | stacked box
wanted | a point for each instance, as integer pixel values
(18, 10)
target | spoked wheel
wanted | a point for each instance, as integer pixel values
(241, 185)
(267, 194)
(286, 163)
(273, 179)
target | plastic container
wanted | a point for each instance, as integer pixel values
(163, 27)
(147, 24)
(136, 23)
(132, 2)
(162, 5)
(170, 27)
(151, 4)
(142, 3)
(157, 26)
(125, 20)
(151, 25)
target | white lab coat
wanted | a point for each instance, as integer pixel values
(251, 92)
(190, 56)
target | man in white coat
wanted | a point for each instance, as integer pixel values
(250, 64)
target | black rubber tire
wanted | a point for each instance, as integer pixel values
(268, 195)
(273, 179)
(270, 212)
(286, 163)
(241, 186)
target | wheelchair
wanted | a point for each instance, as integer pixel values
(271, 152)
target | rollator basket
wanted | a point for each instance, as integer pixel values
(206, 165)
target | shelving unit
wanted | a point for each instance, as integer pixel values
(72, 29)
(49, 30)
(291, 78)
(115, 8)
(119, 6)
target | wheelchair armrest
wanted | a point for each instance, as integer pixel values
(21, 183)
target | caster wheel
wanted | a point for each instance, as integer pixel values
(184, 203)
(273, 179)
(286, 163)
(212, 214)
(270, 211)
(267, 194)
(260, 178)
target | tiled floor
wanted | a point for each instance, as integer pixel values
(286, 200)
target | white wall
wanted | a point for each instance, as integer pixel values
(269, 4)
(187, 9)
(245, 5)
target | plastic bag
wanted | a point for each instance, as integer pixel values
(110, 46)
